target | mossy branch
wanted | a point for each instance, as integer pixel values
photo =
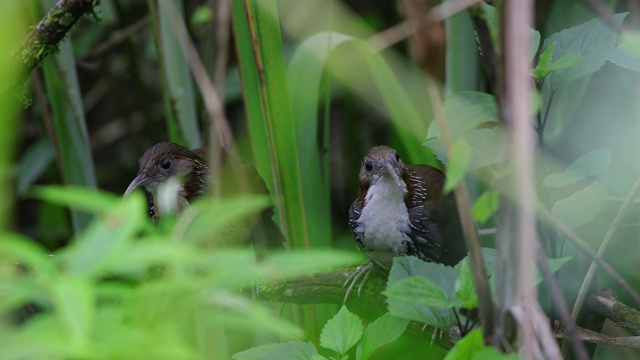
(45, 38)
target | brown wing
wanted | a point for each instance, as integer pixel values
(435, 223)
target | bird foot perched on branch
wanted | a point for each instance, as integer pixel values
(363, 270)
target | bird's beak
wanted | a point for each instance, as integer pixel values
(141, 180)
(394, 174)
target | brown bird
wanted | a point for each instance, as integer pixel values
(401, 210)
(167, 160)
(164, 161)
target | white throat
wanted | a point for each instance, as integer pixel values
(384, 221)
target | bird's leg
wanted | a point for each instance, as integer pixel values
(363, 270)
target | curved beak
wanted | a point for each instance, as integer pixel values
(141, 180)
(394, 174)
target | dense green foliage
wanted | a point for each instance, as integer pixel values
(306, 90)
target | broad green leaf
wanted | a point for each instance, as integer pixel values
(491, 353)
(627, 53)
(483, 145)
(458, 165)
(593, 163)
(547, 65)
(416, 290)
(464, 111)
(97, 250)
(74, 303)
(467, 347)
(234, 310)
(293, 350)
(465, 289)
(485, 206)
(77, 198)
(414, 308)
(581, 207)
(384, 330)
(341, 332)
(207, 218)
(405, 267)
(594, 40)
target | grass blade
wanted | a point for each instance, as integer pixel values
(70, 128)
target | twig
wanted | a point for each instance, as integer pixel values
(607, 238)
(604, 13)
(472, 240)
(579, 349)
(582, 246)
(397, 33)
(210, 97)
(120, 36)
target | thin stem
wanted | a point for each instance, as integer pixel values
(607, 239)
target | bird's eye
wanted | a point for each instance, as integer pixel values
(368, 166)
(166, 164)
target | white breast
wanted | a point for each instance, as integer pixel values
(384, 221)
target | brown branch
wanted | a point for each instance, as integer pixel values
(45, 38)
(327, 288)
(605, 303)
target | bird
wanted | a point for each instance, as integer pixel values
(167, 160)
(401, 210)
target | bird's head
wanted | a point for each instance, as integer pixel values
(380, 162)
(166, 160)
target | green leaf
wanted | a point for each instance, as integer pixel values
(294, 350)
(594, 40)
(491, 353)
(97, 250)
(483, 145)
(262, 61)
(64, 94)
(467, 347)
(341, 56)
(416, 290)
(206, 218)
(74, 302)
(466, 110)
(627, 53)
(458, 165)
(341, 332)
(384, 330)
(33, 163)
(178, 85)
(465, 288)
(409, 307)
(232, 310)
(581, 207)
(202, 15)
(547, 65)
(77, 198)
(485, 206)
(593, 163)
